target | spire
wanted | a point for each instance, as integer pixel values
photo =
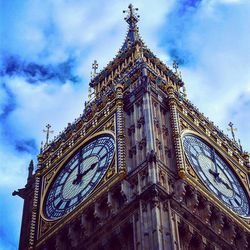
(31, 168)
(94, 67)
(133, 35)
(232, 129)
(48, 132)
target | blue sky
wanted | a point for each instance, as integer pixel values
(47, 48)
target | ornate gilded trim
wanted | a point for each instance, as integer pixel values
(190, 175)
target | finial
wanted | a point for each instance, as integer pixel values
(132, 18)
(184, 92)
(94, 67)
(31, 168)
(41, 147)
(179, 75)
(239, 143)
(93, 74)
(89, 94)
(232, 129)
(133, 35)
(47, 131)
(175, 66)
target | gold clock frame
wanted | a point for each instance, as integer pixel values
(188, 173)
(111, 177)
(62, 164)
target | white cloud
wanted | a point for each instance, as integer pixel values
(13, 167)
(228, 1)
(42, 103)
(218, 74)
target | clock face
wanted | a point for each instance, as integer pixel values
(216, 174)
(79, 176)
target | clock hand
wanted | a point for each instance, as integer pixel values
(215, 174)
(80, 175)
(214, 161)
(79, 168)
(80, 160)
(225, 184)
(218, 178)
(91, 167)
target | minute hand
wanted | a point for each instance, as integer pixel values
(90, 168)
(214, 161)
(80, 175)
(225, 184)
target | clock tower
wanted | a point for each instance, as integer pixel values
(141, 168)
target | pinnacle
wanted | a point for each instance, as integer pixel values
(133, 31)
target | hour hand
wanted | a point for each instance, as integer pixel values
(225, 184)
(77, 179)
(90, 168)
(79, 176)
(215, 174)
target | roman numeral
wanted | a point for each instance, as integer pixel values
(58, 204)
(202, 150)
(237, 202)
(67, 203)
(193, 155)
(99, 169)
(103, 156)
(237, 194)
(231, 203)
(57, 185)
(100, 150)
(79, 197)
(93, 147)
(92, 184)
(195, 149)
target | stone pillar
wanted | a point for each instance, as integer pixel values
(120, 130)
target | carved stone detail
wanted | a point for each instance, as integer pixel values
(73, 235)
(85, 226)
(191, 200)
(180, 190)
(229, 231)
(151, 157)
(140, 122)
(241, 241)
(217, 221)
(185, 235)
(204, 210)
(142, 143)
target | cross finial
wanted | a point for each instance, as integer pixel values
(94, 67)
(175, 66)
(132, 18)
(47, 131)
(232, 129)
(184, 91)
(133, 32)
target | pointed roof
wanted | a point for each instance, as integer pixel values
(133, 39)
(133, 31)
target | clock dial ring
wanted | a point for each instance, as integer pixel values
(78, 176)
(214, 171)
